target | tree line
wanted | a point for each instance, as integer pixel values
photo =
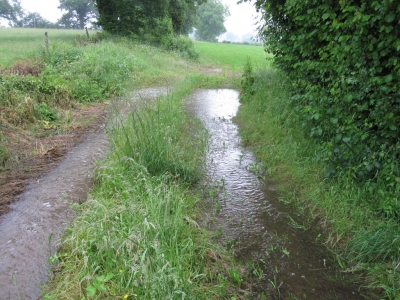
(126, 17)
(78, 13)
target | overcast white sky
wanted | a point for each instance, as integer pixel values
(239, 23)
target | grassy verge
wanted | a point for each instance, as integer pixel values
(136, 237)
(40, 96)
(365, 242)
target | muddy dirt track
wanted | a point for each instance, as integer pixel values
(33, 157)
(31, 230)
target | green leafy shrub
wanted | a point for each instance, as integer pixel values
(44, 112)
(182, 45)
(62, 54)
(247, 81)
(343, 62)
(5, 154)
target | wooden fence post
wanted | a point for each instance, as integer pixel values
(47, 40)
(87, 33)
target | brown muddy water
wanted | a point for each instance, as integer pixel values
(246, 214)
(30, 232)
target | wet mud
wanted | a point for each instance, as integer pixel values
(35, 155)
(31, 230)
(283, 258)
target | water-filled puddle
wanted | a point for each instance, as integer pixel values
(30, 231)
(247, 214)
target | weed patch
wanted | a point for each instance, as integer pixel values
(5, 154)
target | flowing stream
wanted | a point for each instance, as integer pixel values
(247, 214)
(31, 231)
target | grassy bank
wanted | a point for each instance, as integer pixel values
(40, 96)
(364, 242)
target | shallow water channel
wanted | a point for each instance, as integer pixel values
(29, 233)
(246, 213)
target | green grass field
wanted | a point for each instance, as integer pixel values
(232, 56)
(20, 43)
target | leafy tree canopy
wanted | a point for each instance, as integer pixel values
(79, 13)
(183, 14)
(210, 21)
(10, 10)
(34, 20)
(126, 17)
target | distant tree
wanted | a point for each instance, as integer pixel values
(125, 17)
(68, 21)
(176, 10)
(34, 20)
(190, 19)
(79, 13)
(183, 14)
(10, 9)
(210, 22)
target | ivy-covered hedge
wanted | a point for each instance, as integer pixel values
(343, 58)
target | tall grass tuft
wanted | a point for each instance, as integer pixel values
(153, 138)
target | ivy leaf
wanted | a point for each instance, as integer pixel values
(346, 140)
(390, 17)
(325, 16)
(389, 78)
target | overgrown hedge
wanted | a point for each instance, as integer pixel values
(343, 58)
